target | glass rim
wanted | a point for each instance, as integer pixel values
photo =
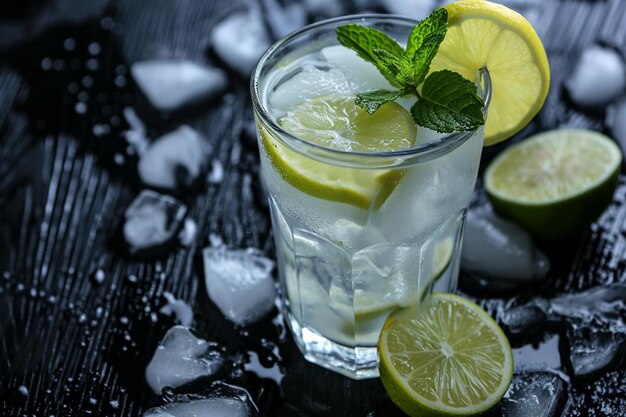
(428, 150)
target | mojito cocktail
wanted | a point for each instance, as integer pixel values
(367, 209)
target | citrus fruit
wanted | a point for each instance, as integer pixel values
(446, 357)
(336, 122)
(556, 182)
(485, 34)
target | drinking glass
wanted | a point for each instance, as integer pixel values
(345, 267)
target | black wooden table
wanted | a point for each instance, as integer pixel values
(79, 319)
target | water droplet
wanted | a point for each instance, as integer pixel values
(114, 404)
(69, 44)
(93, 64)
(19, 288)
(124, 320)
(94, 48)
(80, 108)
(58, 65)
(87, 81)
(99, 276)
(46, 64)
(120, 81)
(93, 401)
(132, 278)
(107, 23)
(33, 293)
(23, 390)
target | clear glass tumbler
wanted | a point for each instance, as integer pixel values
(344, 264)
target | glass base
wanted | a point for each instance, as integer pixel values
(353, 362)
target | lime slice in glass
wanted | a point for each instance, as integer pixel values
(336, 122)
(446, 357)
(555, 183)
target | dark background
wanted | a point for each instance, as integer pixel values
(79, 347)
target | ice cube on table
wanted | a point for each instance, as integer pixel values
(416, 9)
(534, 394)
(240, 283)
(176, 159)
(605, 305)
(136, 136)
(188, 234)
(307, 84)
(208, 407)
(592, 351)
(325, 8)
(502, 253)
(181, 358)
(179, 308)
(152, 223)
(241, 39)
(362, 75)
(172, 84)
(526, 320)
(283, 20)
(598, 77)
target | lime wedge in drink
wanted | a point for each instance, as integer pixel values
(336, 122)
(555, 183)
(485, 34)
(446, 357)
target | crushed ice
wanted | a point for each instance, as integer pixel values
(181, 358)
(240, 283)
(208, 407)
(136, 136)
(172, 84)
(535, 394)
(189, 232)
(179, 308)
(152, 222)
(176, 159)
(217, 172)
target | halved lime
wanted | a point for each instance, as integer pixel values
(446, 357)
(555, 183)
(336, 122)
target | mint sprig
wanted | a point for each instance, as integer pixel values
(447, 102)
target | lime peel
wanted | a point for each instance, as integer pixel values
(408, 331)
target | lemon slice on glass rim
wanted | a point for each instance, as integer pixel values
(482, 34)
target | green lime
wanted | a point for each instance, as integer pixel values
(336, 122)
(446, 357)
(555, 183)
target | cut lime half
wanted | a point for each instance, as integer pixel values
(445, 358)
(555, 183)
(336, 122)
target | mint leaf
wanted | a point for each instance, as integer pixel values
(436, 22)
(424, 43)
(364, 41)
(449, 103)
(397, 67)
(371, 101)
